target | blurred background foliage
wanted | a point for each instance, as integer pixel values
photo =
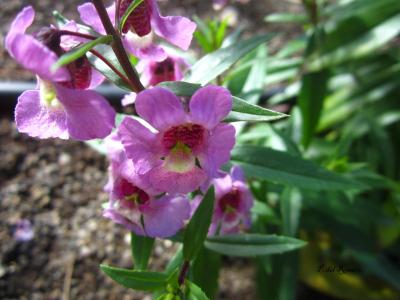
(339, 81)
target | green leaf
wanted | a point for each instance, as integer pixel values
(80, 51)
(247, 245)
(311, 99)
(141, 247)
(359, 46)
(214, 64)
(194, 292)
(128, 11)
(280, 167)
(255, 79)
(286, 18)
(137, 280)
(197, 229)
(290, 209)
(205, 270)
(100, 66)
(244, 111)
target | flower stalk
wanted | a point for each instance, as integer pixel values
(118, 47)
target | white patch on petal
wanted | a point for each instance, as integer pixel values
(138, 41)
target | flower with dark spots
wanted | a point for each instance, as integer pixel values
(141, 26)
(135, 204)
(233, 202)
(154, 72)
(61, 106)
(186, 148)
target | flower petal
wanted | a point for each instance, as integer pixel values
(237, 174)
(218, 149)
(209, 105)
(139, 143)
(160, 107)
(20, 24)
(164, 217)
(89, 16)
(174, 182)
(89, 115)
(36, 57)
(97, 79)
(37, 120)
(118, 218)
(144, 49)
(175, 29)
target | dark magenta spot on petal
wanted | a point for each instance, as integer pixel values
(191, 135)
(139, 20)
(230, 201)
(81, 74)
(162, 71)
(131, 192)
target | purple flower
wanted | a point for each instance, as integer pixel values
(186, 148)
(153, 72)
(134, 204)
(61, 106)
(141, 24)
(233, 201)
(23, 230)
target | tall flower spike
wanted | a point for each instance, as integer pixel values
(133, 202)
(187, 148)
(61, 107)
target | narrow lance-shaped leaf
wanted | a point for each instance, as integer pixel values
(214, 64)
(280, 167)
(244, 111)
(80, 51)
(248, 245)
(194, 292)
(137, 280)
(141, 247)
(205, 270)
(197, 229)
(128, 11)
(311, 99)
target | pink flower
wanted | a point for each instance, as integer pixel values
(185, 148)
(61, 107)
(141, 24)
(233, 202)
(134, 204)
(154, 72)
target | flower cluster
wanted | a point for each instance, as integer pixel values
(175, 147)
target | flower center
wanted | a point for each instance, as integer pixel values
(48, 96)
(139, 20)
(230, 202)
(131, 194)
(162, 71)
(190, 135)
(80, 69)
